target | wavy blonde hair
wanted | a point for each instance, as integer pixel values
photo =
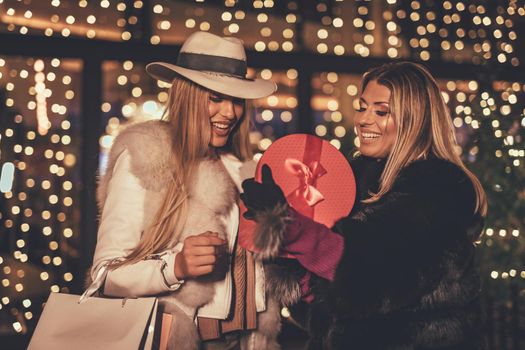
(423, 124)
(188, 115)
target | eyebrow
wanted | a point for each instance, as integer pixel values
(375, 103)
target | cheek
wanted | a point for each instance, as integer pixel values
(212, 108)
(383, 124)
(357, 119)
(238, 110)
(390, 130)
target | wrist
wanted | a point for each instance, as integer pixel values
(296, 225)
(179, 271)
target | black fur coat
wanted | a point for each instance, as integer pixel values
(407, 279)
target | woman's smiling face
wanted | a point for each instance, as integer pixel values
(375, 125)
(225, 113)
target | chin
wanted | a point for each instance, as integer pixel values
(372, 153)
(218, 143)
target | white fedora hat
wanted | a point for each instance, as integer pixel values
(216, 63)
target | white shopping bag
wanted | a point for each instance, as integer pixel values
(96, 323)
(73, 322)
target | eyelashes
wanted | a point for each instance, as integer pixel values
(379, 113)
(215, 99)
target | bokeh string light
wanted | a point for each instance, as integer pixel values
(333, 103)
(38, 214)
(455, 30)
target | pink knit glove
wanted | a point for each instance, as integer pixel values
(317, 248)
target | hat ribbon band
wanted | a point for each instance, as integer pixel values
(218, 64)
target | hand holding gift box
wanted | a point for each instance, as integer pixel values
(304, 172)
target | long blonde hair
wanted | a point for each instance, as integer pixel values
(423, 124)
(187, 114)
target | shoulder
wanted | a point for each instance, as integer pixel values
(149, 147)
(151, 136)
(439, 181)
(148, 143)
(144, 150)
(434, 172)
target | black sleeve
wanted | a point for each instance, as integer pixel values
(393, 247)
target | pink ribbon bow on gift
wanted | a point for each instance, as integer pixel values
(306, 193)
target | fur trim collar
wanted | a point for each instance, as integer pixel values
(149, 143)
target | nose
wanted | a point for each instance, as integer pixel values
(227, 109)
(366, 117)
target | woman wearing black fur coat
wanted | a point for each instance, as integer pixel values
(405, 278)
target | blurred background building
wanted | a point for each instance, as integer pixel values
(72, 76)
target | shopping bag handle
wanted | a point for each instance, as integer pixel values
(96, 284)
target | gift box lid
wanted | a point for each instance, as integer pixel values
(315, 177)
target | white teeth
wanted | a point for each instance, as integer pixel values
(221, 126)
(369, 135)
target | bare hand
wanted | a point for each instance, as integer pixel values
(199, 255)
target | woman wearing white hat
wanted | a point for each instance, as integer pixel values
(169, 204)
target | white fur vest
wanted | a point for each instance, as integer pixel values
(212, 196)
